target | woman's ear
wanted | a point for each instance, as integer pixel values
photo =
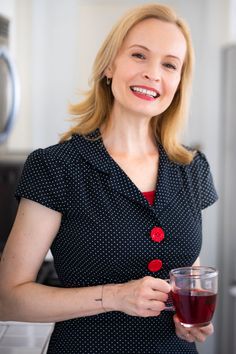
(108, 72)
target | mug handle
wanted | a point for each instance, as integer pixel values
(169, 302)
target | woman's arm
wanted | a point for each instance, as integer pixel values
(21, 299)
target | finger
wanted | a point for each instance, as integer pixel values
(148, 313)
(207, 330)
(165, 287)
(192, 335)
(186, 336)
(177, 321)
(156, 305)
(202, 332)
(183, 332)
(159, 284)
(146, 307)
(189, 338)
(197, 334)
(157, 295)
(151, 295)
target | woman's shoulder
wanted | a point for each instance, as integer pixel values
(199, 160)
(198, 170)
(200, 179)
(59, 154)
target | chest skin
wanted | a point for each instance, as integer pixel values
(141, 170)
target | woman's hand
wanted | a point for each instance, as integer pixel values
(193, 334)
(143, 297)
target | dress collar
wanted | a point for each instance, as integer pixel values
(92, 150)
(169, 181)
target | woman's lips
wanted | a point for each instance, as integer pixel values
(145, 92)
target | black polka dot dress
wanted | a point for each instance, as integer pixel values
(110, 234)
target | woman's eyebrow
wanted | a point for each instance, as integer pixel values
(145, 48)
(140, 46)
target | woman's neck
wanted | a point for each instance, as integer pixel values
(129, 137)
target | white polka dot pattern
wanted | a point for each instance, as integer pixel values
(105, 237)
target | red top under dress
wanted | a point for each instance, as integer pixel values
(150, 196)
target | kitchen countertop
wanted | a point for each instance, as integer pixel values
(24, 338)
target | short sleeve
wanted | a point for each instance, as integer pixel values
(42, 180)
(204, 181)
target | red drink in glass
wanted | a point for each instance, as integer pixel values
(194, 291)
(194, 307)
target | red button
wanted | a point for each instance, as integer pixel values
(157, 234)
(155, 265)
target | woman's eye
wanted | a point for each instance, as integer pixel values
(170, 66)
(138, 55)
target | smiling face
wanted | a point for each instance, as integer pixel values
(147, 70)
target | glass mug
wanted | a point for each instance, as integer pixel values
(193, 294)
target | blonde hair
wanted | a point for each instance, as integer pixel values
(95, 109)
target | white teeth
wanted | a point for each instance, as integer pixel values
(144, 91)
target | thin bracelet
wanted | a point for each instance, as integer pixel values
(102, 299)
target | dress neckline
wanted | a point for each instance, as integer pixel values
(150, 196)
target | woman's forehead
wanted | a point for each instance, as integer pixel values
(155, 34)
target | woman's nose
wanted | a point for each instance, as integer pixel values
(152, 73)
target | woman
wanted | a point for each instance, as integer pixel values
(118, 200)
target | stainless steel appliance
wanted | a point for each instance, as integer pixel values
(227, 295)
(9, 86)
(10, 164)
(10, 170)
